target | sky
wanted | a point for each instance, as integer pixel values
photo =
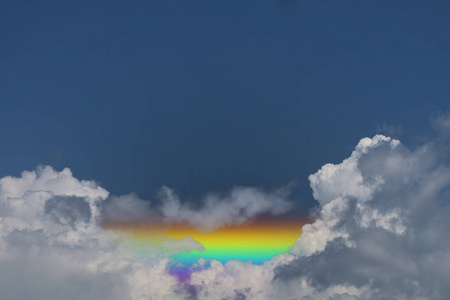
(141, 137)
(204, 95)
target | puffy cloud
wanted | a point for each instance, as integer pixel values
(126, 207)
(238, 280)
(345, 179)
(239, 206)
(52, 244)
(382, 227)
(380, 233)
(213, 211)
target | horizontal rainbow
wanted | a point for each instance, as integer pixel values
(256, 241)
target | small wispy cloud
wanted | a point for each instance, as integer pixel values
(239, 206)
(441, 123)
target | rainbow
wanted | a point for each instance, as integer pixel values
(256, 241)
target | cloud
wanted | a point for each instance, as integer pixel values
(239, 206)
(68, 210)
(238, 280)
(52, 244)
(387, 129)
(381, 232)
(211, 212)
(441, 123)
(382, 229)
(126, 207)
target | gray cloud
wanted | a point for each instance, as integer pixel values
(382, 227)
(237, 207)
(126, 207)
(381, 232)
(52, 244)
(213, 211)
(68, 210)
(52, 247)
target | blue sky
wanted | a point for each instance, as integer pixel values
(205, 95)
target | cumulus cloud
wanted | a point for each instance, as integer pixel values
(49, 244)
(126, 207)
(52, 244)
(381, 232)
(239, 206)
(238, 280)
(382, 228)
(211, 212)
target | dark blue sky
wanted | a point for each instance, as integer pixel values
(204, 95)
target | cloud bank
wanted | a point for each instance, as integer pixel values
(52, 245)
(382, 227)
(380, 232)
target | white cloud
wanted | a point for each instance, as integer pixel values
(381, 233)
(382, 228)
(238, 280)
(333, 181)
(239, 206)
(126, 207)
(51, 246)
